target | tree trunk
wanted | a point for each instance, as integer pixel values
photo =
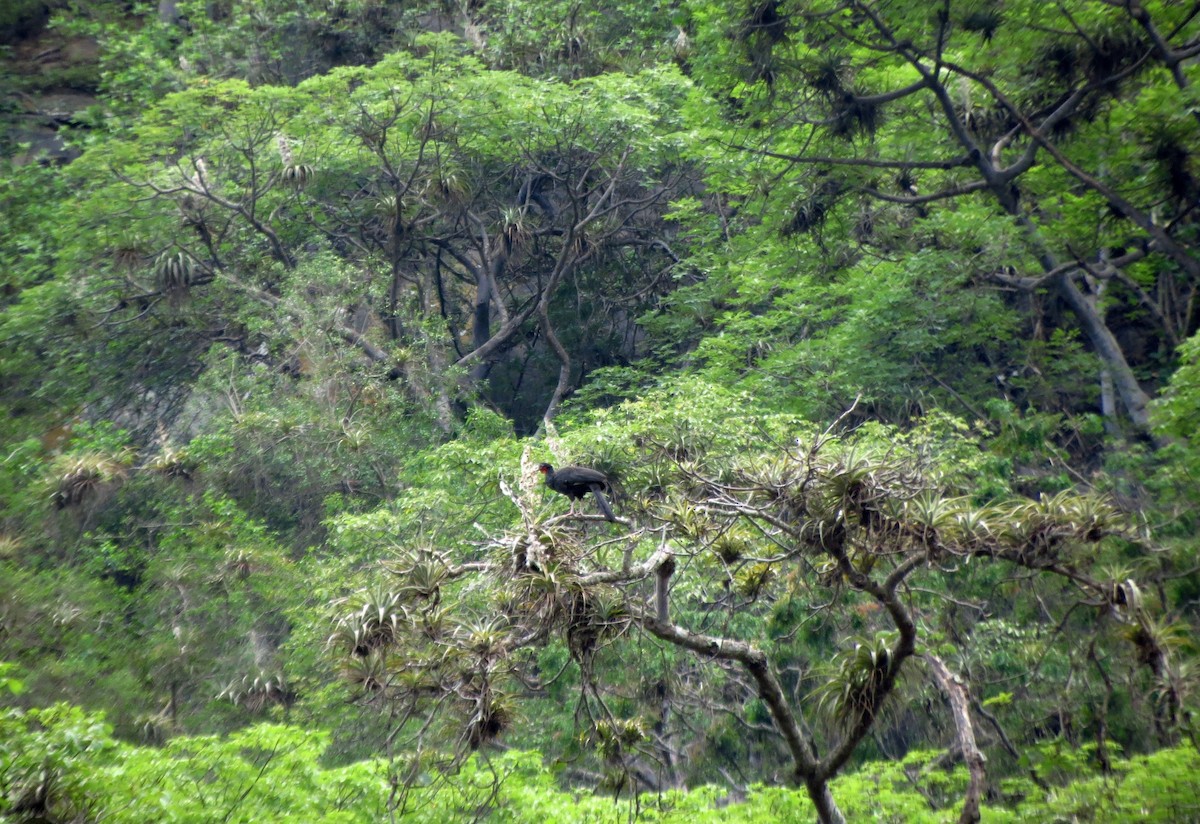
(1108, 402)
(1135, 400)
(662, 578)
(486, 274)
(1104, 343)
(436, 361)
(822, 799)
(956, 693)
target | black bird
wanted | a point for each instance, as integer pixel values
(576, 482)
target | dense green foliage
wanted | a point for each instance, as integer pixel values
(882, 317)
(65, 765)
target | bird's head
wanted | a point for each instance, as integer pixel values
(545, 468)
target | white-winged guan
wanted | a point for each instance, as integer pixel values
(577, 481)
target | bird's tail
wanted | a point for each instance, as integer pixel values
(603, 504)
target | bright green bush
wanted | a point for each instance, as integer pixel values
(61, 763)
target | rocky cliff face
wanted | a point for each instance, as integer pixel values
(48, 82)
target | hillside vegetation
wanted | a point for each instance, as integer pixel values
(880, 318)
